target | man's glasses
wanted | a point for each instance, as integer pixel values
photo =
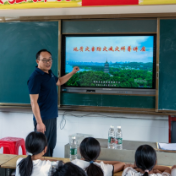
(47, 60)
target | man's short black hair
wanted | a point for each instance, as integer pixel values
(39, 52)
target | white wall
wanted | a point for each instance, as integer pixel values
(135, 127)
(96, 10)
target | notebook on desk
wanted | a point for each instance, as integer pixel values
(171, 147)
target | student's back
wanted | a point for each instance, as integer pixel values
(90, 151)
(40, 167)
(145, 164)
(132, 172)
(34, 165)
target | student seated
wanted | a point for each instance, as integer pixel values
(34, 165)
(173, 171)
(90, 150)
(68, 169)
(145, 164)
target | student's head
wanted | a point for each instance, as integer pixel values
(44, 60)
(90, 150)
(145, 158)
(68, 169)
(36, 145)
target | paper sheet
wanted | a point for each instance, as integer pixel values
(165, 146)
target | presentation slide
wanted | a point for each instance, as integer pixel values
(110, 61)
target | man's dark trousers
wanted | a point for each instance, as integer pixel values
(50, 133)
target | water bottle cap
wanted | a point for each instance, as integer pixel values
(111, 126)
(118, 126)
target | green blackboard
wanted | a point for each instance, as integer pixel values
(108, 100)
(19, 43)
(167, 65)
(108, 26)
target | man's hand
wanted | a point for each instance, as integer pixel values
(75, 69)
(41, 128)
(62, 80)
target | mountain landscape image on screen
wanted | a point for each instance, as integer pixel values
(118, 62)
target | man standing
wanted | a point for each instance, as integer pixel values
(42, 86)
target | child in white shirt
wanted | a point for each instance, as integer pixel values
(34, 165)
(90, 151)
(145, 164)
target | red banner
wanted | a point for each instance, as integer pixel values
(33, 4)
(109, 2)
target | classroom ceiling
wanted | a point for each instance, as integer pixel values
(83, 11)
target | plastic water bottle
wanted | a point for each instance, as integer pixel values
(111, 137)
(119, 139)
(73, 149)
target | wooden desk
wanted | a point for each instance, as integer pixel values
(5, 158)
(118, 174)
(65, 160)
(11, 164)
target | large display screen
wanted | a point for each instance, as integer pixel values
(110, 61)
